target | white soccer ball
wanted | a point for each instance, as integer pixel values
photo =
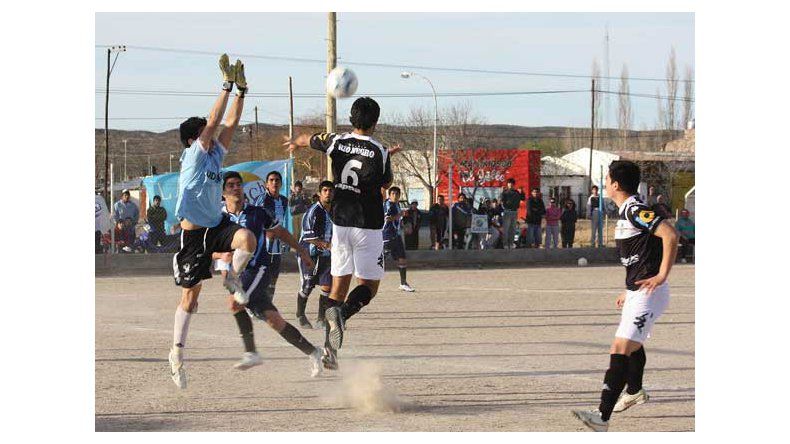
(582, 262)
(341, 82)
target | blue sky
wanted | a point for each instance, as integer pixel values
(528, 42)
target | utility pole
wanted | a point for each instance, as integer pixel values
(110, 50)
(125, 175)
(149, 166)
(331, 62)
(592, 134)
(291, 110)
(256, 134)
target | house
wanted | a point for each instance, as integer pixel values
(562, 179)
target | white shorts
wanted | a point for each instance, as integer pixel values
(640, 312)
(359, 251)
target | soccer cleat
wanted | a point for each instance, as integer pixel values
(316, 364)
(248, 360)
(592, 419)
(177, 368)
(233, 284)
(320, 324)
(406, 287)
(303, 322)
(329, 359)
(334, 327)
(627, 400)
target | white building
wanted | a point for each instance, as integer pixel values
(600, 163)
(563, 179)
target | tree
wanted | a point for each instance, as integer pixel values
(670, 109)
(625, 114)
(596, 75)
(688, 96)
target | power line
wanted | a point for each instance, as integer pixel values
(388, 65)
(322, 95)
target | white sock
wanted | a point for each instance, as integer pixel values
(181, 326)
(240, 260)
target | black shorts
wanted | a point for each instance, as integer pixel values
(394, 247)
(255, 281)
(192, 263)
(319, 274)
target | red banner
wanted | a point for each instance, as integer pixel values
(484, 172)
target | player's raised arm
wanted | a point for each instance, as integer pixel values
(281, 233)
(215, 117)
(319, 142)
(236, 108)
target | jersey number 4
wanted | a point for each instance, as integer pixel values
(349, 176)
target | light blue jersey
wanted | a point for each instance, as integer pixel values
(200, 185)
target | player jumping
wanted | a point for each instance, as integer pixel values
(393, 244)
(647, 244)
(317, 237)
(361, 168)
(256, 276)
(205, 229)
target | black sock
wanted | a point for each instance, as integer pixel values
(245, 329)
(613, 383)
(636, 369)
(323, 304)
(402, 271)
(292, 335)
(301, 303)
(358, 298)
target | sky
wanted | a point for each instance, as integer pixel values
(560, 43)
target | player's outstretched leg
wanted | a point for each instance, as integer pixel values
(337, 316)
(320, 321)
(404, 286)
(292, 335)
(243, 246)
(251, 358)
(634, 393)
(301, 304)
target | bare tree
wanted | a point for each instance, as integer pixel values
(625, 115)
(688, 96)
(596, 75)
(670, 114)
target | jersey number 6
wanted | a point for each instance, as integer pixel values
(349, 173)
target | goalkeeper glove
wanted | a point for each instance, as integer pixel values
(241, 80)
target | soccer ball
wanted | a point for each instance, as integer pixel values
(582, 262)
(341, 82)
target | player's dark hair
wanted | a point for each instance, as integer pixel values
(326, 184)
(190, 129)
(364, 113)
(230, 175)
(276, 173)
(511, 180)
(594, 187)
(158, 197)
(393, 190)
(626, 174)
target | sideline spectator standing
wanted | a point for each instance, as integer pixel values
(594, 216)
(438, 214)
(511, 199)
(568, 220)
(411, 227)
(156, 216)
(299, 203)
(494, 225)
(685, 226)
(661, 208)
(462, 218)
(651, 196)
(553, 214)
(125, 215)
(536, 209)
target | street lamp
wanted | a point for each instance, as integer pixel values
(110, 50)
(408, 75)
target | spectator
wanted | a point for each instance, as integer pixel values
(299, 202)
(685, 226)
(511, 200)
(314, 199)
(156, 216)
(103, 223)
(438, 215)
(568, 220)
(661, 208)
(495, 229)
(553, 214)
(462, 218)
(651, 196)
(125, 215)
(411, 226)
(594, 215)
(536, 209)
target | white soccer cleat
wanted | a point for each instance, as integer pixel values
(406, 287)
(592, 419)
(248, 360)
(335, 327)
(233, 284)
(316, 366)
(177, 371)
(627, 400)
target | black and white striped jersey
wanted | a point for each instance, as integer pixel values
(361, 167)
(640, 250)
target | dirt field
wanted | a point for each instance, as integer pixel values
(471, 350)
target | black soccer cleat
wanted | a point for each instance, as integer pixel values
(329, 359)
(303, 322)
